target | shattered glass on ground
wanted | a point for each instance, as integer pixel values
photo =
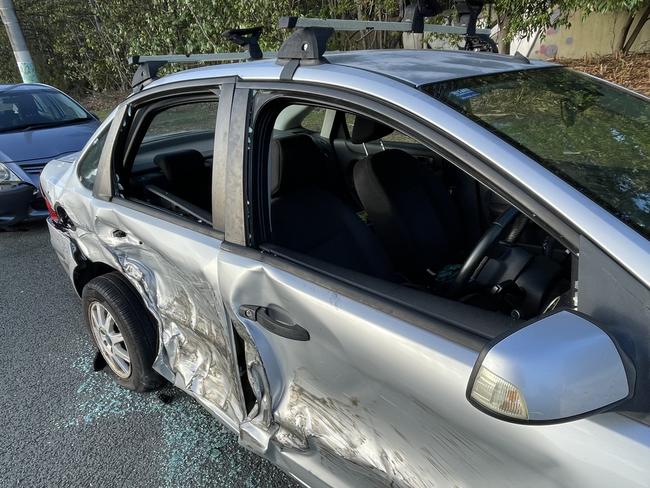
(65, 425)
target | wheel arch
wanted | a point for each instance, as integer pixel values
(86, 271)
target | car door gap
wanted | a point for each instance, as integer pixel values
(240, 349)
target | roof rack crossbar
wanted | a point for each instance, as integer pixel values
(148, 66)
(356, 25)
(195, 58)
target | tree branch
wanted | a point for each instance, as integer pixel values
(637, 29)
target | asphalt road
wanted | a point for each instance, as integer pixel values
(64, 425)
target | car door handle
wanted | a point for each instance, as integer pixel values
(261, 316)
(120, 234)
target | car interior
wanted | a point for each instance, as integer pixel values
(35, 107)
(171, 167)
(352, 192)
(355, 195)
(22, 108)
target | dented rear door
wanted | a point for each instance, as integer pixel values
(172, 262)
(175, 270)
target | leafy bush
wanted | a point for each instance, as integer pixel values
(83, 44)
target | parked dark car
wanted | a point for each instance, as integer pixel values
(37, 123)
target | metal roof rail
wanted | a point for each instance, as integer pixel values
(148, 66)
(412, 21)
(309, 41)
(355, 25)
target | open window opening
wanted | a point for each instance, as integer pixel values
(168, 164)
(361, 199)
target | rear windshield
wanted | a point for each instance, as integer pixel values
(22, 109)
(593, 135)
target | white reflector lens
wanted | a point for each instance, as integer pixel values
(498, 395)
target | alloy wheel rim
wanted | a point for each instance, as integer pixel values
(109, 339)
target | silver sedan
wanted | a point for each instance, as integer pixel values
(379, 268)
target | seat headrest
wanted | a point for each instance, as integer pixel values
(367, 130)
(296, 162)
(181, 165)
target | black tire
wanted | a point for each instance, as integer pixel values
(136, 325)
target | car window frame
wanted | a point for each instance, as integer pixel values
(82, 157)
(427, 134)
(145, 114)
(104, 127)
(105, 182)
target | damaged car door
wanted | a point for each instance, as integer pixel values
(162, 232)
(344, 389)
(357, 381)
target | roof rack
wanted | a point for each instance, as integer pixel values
(411, 20)
(304, 46)
(148, 66)
(356, 25)
(309, 41)
(248, 38)
(475, 39)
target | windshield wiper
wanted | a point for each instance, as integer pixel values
(53, 123)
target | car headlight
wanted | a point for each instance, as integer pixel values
(7, 177)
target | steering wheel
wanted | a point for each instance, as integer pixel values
(485, 243)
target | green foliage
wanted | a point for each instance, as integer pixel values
(524, 18)
(83, 44)
(604, 6)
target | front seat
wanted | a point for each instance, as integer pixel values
(187, 175)
(410, 207)
(309, 219)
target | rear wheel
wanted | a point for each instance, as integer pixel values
(122, 330)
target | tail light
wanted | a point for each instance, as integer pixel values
(53, 213)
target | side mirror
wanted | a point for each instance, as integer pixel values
(555, 369)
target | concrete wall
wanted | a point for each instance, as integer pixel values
(596, 34)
